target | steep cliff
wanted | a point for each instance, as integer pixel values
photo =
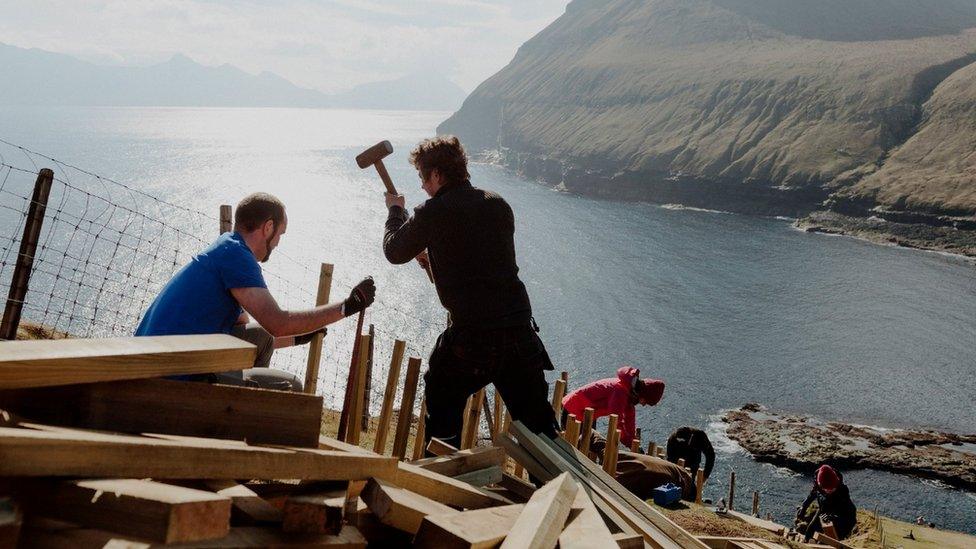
(759, 106)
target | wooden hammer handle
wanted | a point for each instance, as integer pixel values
(385, 176)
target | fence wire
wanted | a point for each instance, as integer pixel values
(106, 249)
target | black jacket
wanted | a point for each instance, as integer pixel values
(469, 235)
(689, 444)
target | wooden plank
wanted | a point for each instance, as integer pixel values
(438, 447)
(258, 416)
(41, 453)
(544, 515)
(826, 539)
(465, 422)
(140, 508)
(498, 404)
(386, 412)
(474, 419)
(767, 525)
(628, 541)
(11, 520)
(247, 506)
(61, 535)
(318, 513)
(585, 528)
(610, 452)
(355, 425)
(479, 529)
(43, 363)
(517, 486)
(482, 477)
(315, 346)
(463, 461)
(399, 508)
(406, 408)
(444, 489)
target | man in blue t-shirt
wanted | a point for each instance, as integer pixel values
(222, 285)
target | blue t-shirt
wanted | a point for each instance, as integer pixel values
(197, 300)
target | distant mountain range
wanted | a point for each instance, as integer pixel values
(38, 77)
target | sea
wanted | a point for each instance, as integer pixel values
(726, 309)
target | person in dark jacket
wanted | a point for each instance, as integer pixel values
(690, 444)
(834, 505)
(466, 236)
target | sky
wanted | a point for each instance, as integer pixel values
(326, 45)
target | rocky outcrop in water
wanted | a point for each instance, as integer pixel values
(803, 443)
(774, 107)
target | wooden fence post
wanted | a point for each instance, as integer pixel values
(406, 408)
(558, 392)
(351, 378)
(418, 440)
(587, 432)
(386, 412)
(572, 430)
(315, 346)
(355, 426)
(755, 504)
(652, 449)
(369, 378)
(611, 447)
(226, 218)
(699, 485)
(731, 490)
(25, 257)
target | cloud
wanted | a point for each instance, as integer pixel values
(330, 45)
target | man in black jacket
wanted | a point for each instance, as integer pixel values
(690, 444)
(466, 237)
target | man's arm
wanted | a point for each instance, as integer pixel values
(405, 237)
(280, 323)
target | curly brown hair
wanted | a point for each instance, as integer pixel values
(444, 154)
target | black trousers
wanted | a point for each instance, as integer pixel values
(466, 359)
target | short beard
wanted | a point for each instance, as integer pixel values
(267, 245)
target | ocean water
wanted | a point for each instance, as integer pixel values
(727, 309)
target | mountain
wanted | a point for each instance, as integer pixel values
(37, 77)
(778, 107)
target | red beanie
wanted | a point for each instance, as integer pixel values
(651, 390)
(827, 478)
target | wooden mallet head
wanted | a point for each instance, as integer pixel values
(374, 156)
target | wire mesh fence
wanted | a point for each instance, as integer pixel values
(106, 249)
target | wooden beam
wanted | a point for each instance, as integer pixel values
(463, 461)
(544, 515)
(406, 408)
(517, 486)
(482, 477)
(259, 416)
(444, 489)
(318, 513)
(572, 430)
(315, 346)
(499, 414)
(44, 363)
(479, 529)
(586, 431)
(585, 528)
(29, 452)
(247, 505)
(699, 485)
(628, 541)
(419, 437)
(386, 411)
(438, 447)
(472, 426)
(610, 452)
(140, 508)
(399, 508)
(355, 425)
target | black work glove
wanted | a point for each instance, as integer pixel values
(360, 297)
(305, 339)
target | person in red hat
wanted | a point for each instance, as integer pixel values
(619, 395)
(834, 505)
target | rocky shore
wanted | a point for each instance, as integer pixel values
(922, 235)
(803, 443)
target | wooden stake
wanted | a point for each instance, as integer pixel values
(699, 485)
(351, 379)
(406, 408)
(473, 420)
(558, 392)
(572, 430)
(660, 452)
(652, 449)
(226, 218)
(587, 431)
(315, 346)
(499, 414)
(755, 504)
(355, 425)
(25, 257)
(610, 451)
(419, 438)
(386, 412)
(731, 490)
(635, 446)
(369, 379)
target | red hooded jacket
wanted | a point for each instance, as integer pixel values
(607, 396)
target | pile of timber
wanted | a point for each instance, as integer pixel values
(97, 450)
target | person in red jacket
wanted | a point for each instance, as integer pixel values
(618, 396)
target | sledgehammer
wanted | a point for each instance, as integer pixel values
(374, 156)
